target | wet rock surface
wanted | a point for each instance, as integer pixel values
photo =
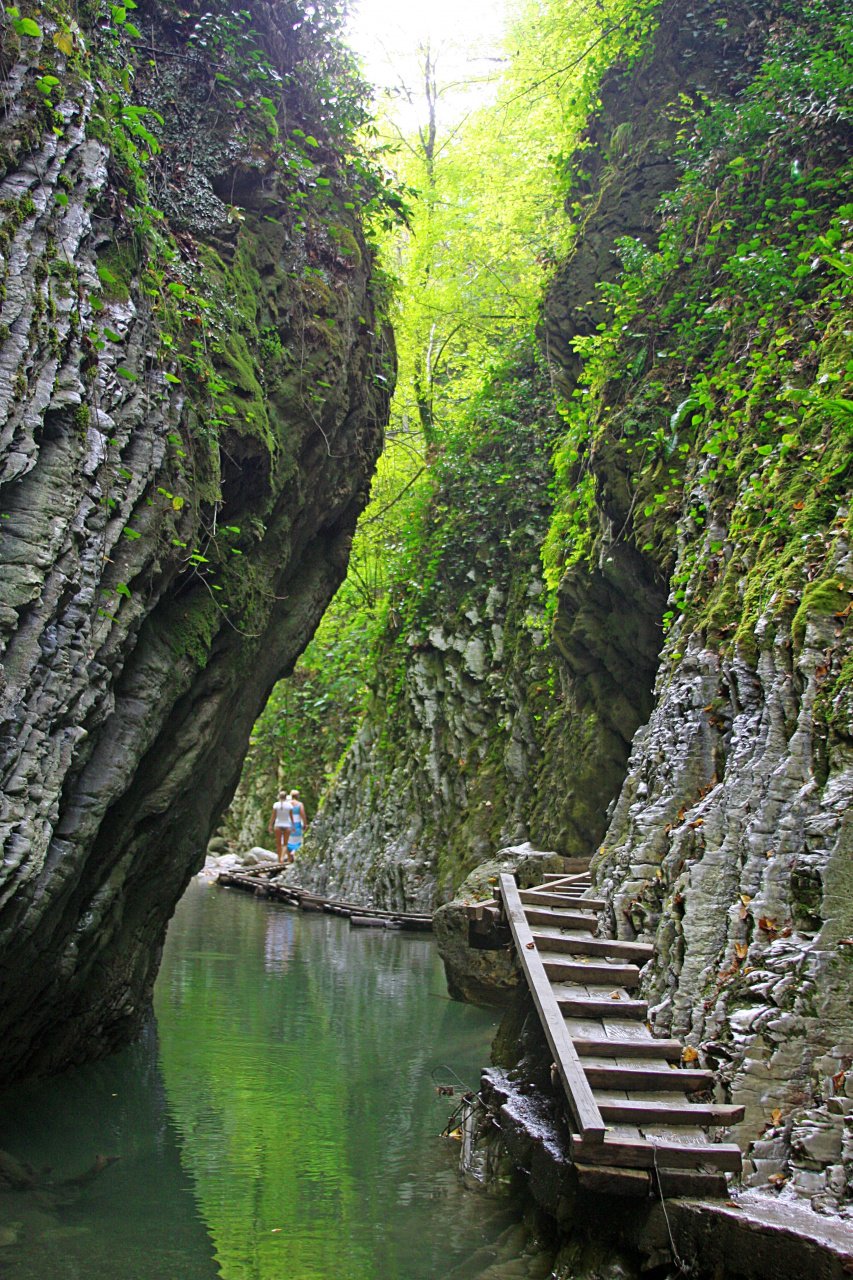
(172, 529)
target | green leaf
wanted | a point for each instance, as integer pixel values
(131, 534)
(26, 27)
(170, 377)
(123, 589)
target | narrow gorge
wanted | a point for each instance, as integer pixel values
(611, 617)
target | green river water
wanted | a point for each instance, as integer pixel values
(280, 1121)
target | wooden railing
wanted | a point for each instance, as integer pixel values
(591, 1126)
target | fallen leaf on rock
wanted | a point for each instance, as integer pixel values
(778, 1179)
(776, 1115)
(741, 948)
(768, 925)
(745, 898)
(689, 1054)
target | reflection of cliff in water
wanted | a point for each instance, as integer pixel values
(138, 1217)
(299, 1058)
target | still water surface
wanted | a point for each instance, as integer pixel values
(279, 1123)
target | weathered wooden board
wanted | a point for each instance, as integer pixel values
(562, 919)
(594, 972)
(667, 1112)
(584, 1005)
(636, 1076)
(574, 943)
(608, 1181)
(550, 898)
(648, 1047)
(640, 1153)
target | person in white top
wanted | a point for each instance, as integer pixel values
(280, 823)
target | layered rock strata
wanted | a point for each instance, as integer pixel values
(191, 412)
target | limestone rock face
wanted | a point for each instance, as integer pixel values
(731, 847)
(470, 739)
(189, 416)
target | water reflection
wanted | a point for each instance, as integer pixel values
(298, 1068)
(139, 1217)
(284, 1127)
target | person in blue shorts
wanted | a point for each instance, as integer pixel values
(298, 823)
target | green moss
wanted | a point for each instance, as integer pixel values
(827, 597)
(82, 416)
(117, 266)
(241, 369)
(346, 242)
(193, 628)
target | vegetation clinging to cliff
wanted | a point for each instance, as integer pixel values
(714, 412)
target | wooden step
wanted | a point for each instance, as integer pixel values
(562, 919)
(686, 1079)
(550, 898)
(575, 866)
(621, 1047)
(644, 1153)
(642, 1111)
(576, 1003)
(594, 972)
(555, 877)
(583, 944)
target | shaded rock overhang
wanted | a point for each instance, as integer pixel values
(194, 384)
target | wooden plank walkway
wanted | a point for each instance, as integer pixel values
(258, 881)
(639, 1121)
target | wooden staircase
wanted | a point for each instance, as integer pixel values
(639, 1120)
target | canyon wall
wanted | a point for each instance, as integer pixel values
(193, 383)
(691, 723)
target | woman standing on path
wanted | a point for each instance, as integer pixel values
(280, 822)
(297, 825)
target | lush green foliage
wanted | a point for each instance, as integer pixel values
(467, 277)
(719, 390)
